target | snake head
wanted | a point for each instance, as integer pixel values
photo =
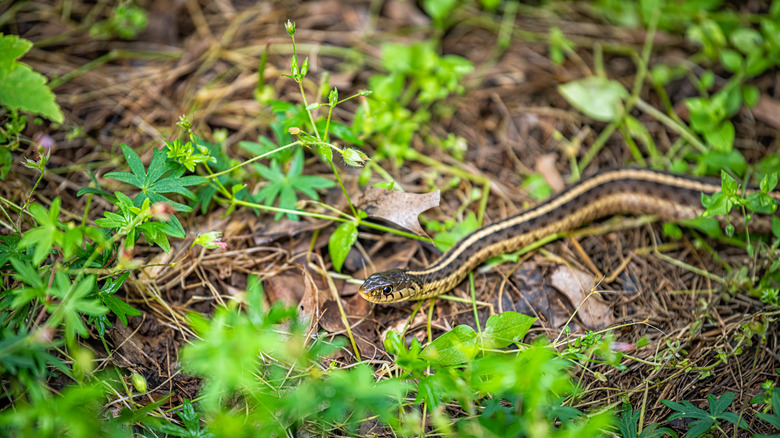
(387, 287)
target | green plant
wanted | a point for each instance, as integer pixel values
(126, 21)
(75, 411)
(289, 390)
(285, 185)
(504, 393)
(774, 417)
(729, 198)
(745, 46)
(404, 99)
(628, 426)
(58, 274)
(118, 307)
(21, 89)
(705, 420)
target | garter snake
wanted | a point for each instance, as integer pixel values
(629, 191)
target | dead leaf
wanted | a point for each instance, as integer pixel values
(545, 165)
(406, 12)
(287, 286)
(576, 285)
(356, 309)
(309, 306)
(531, 296)
(156, 265)
(768, 111)
(399, 208)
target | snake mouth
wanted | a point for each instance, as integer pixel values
(368, 296)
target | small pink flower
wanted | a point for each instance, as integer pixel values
(623, 346)
(210, 240)
(161, 211)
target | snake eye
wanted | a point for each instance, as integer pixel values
(387, 290)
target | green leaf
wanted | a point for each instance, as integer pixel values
(12, 48)
(9, 248)
(74, 301)
(769, 182)
(536, 186)
(6, 159)
(717, 204)
(705, 420)
(106, 294)
(716, 161)
(708, 225)
(340, 243)
(344, 132)
(161, 178)
(131, 219)
(757, 63)
(154, 233)
(46, 234)
(285, 186)
(21, 88)
(774, 418)
(639, 131)
(703, 114)
(191, 420)
(721, 138)
(750, 95)
(761, 203)
(599, 98)
(687, 410)
(435, 389)
(27, 274)
(559, 45)
(627, 425)
(457, 346)
(672, 230)
(394, 344)
(709, 35)
(719, 406)
(731, 59)
(505, 328)
(444, 240)
(746, 40)
(663, 74)
(439, 10)
(728, 183)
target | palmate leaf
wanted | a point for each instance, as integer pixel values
(160, 178)
(627, 425)
(73, 302)
(705, 420)
(9, 248)
(285, 186)
(121, 309)
(46, 234)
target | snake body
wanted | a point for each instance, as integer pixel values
(626, 191)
